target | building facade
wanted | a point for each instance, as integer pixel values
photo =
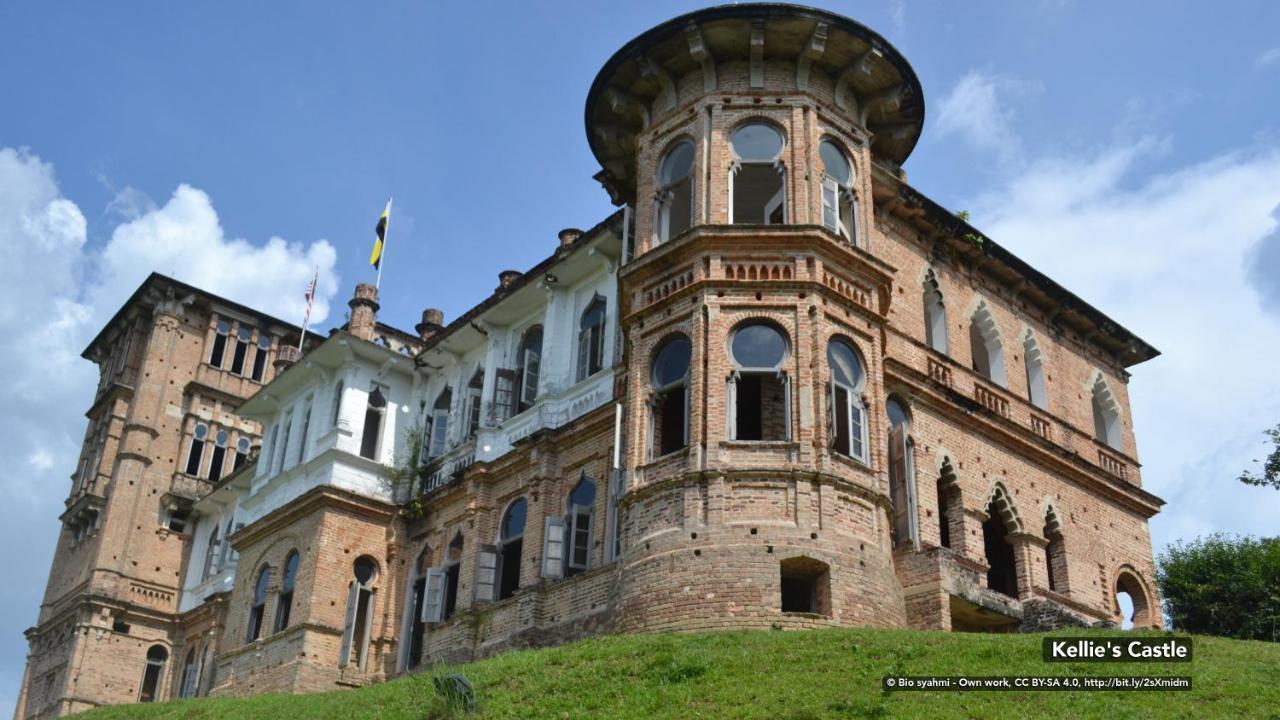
(779, 387)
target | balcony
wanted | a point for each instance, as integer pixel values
(988, 399)
(1041, 426)
(446, 469)
(1112, 465)
(939, 372)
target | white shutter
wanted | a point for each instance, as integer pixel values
(731, 406)
(433, 602)
(349, 624)
(902, 487)
(368, 630)
(486, 573)
(532, 369)
(553, 547)
(653, 426)
(832, 433)
(830, 204)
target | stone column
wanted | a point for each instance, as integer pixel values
(364, 312)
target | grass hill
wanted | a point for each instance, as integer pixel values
(778, 676)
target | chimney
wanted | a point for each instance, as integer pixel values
(568, 236)
(364, 312)
(432, 323)
(506, 279)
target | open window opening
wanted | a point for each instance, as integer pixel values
(511, 548)
(902, 476)
(1034, 362)
(359, 620)
(190, 674)
(374, 414)
(1002, 575)
(253, 630)
(669, 410)
(284, 601)
(839, 208)
(529, 373)
(195, 452)
(591, 339)
(759, 389)
(306, 431)
(475, 390)
(987, 349)
(281, 452)
(935, 314)
(439, 431)
(178, 519)
(1132, 605)
(452, 573)
(847, 421)
(757, 180)
(243, 447)
(218, 458)
(805, 586)
(1055, 553)
(152, 673)
(220, 338)
(950, 507)
(1106, 414)
(581, 508)
(261, 357)
(418, 604)
(211, 552)
(240, 353)
(675, 192)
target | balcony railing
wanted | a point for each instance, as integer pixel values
(939, 372)
(448, 468)
(1041, 427)
(991, 401)
(1113, 465)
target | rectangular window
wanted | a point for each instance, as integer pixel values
(579, 538)
(241, 350)
(261, 356)
(195, 454)
(553, 537)
(504, 388)
(451, 575)
(831, 204)
(671, 425)
(760, 407)
(306, 427)
(284, 445)
(439, 432)
(529, 383)
(216, 461)
(178, 519)
(473, 411)
(219, 350)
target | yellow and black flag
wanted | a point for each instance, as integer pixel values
(375, 257)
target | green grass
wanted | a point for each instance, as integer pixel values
(779, 676)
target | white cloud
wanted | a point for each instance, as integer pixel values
(55, 292)
(1174, 257)
(977, 111)
(1267, 58)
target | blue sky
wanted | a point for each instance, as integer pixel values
(1133, 156)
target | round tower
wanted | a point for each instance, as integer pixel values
(745, 138)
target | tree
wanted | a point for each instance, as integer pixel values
(1270, 476)
(1223, 585)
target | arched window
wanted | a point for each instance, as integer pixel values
(1002, 573)
(935, 314)
(284, 601)
(669, 412)
(452, 573)
(847, 416)
(190, 675)
(902, 475)
(511, 548)
(418, 607)
(243, 446)
(950, 508)
(1055, 555)
(529, 357)
(210, 554)
(374, 413)
(757, 182)
(581, 503)
(986, 347)
(256, 611)
(336, 410)
(195, 453)
(440, 424)
(591, 339)
(227, 552)
(839, 209)
(1106, 414)
(359, 620)
(759, 389)
(219, 456)
(1131, 602)
(475, 389)
(152, 673)
(219, 349)
(241, 351)
(675, 192)
(1035, 372)
(261, 356)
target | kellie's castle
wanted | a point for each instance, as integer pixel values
(779, 387)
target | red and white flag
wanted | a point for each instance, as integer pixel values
(311, 297)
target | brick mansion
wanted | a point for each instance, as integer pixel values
(778, 387)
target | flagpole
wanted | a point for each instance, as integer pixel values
(310, 299)
(382, 259)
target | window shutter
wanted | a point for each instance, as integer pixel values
(857, 428)
(831, 415)
(731, 406)
(532, 369)
(553, 547)
(433, 603)
(439, 432)
(777, 202)
(504, 394)
(830, 204)
(584, 353)
(580, 514)
(786, 402)
(486, 573)
(615, 496)
(349, 624)
(368, 630)
(909, 472)
(685, 426)
(653, 406)
(902, 487)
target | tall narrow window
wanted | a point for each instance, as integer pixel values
(195, 453)
(440, 424)
(219, 350)
(335, 412)
(1035, 372)
(579, 528)
(591, 339)
(284, 601)
(253, 630)
(1055, 556)
(986, 346)
(847, 414)
(529, 357)
(240, 352)
(504, 394)
(839, 210)
(243, 446)
(675, 192)
(219, 456)
(1002, 574)
(374, 413)
(152, 673)
(475, 389)
(418, 607)
(935, 314)
(210, 554)
(669, 423)
(1106, 414)
(306, 431)
(950, 508)
(759, 389)
(452, 573)
(902, 476)
(227, 553)
(511, 548)
(359, 622)
(757, 194)
(190, 675)
(261, 356)
(281, 455)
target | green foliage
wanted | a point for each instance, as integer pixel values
(973, 239)
(401, 476)
(1223, 585)
(753, 675)
(1270, 476)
